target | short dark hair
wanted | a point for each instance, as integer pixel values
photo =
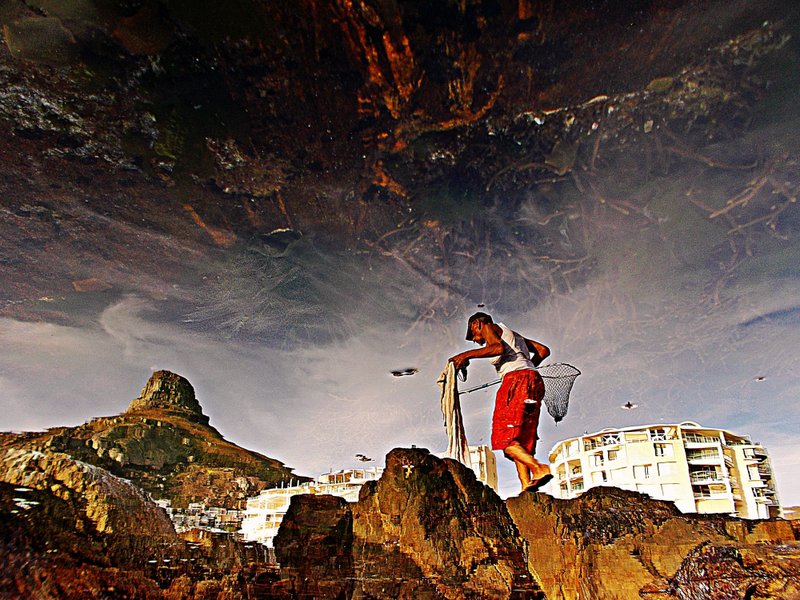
(478, 316)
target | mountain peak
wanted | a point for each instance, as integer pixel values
(169, 391)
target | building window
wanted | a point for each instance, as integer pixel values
(613, 454)
(752, 471)
(599, 477)
(702, 491)
(648, 488)
(658, 435)
(670, 490)
(597, 459)
(619, 475)
(749, 453)
(666, 469)
(663, 450)
(641, 471)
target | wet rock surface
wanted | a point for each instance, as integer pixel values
(729, 573)
(611, 543)
(315, 548)
(434, 516)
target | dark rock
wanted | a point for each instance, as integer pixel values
(314, 547)
(730, 573)
(41, 39)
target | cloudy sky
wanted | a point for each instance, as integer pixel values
(643, 328)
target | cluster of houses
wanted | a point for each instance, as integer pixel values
(199, 516)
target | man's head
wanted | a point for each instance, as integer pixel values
(475, 326)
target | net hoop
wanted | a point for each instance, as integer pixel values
(558, 381)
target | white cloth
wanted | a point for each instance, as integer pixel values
(457, 447)
(515, 356)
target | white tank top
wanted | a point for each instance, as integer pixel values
(515, 356)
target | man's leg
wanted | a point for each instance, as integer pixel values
(524, 474)
(520, 456)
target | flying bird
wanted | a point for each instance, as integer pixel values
(363, 458)
(629, 405)
(404, 372)
(760, 378)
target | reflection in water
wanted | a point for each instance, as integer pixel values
(649, 237)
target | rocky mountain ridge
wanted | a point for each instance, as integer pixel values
(163, 443)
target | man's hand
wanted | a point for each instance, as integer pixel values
(459, 360)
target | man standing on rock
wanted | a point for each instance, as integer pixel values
(519, 399)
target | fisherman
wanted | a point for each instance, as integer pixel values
(519, 399)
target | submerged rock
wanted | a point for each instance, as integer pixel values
(132, 524)
(42, 40)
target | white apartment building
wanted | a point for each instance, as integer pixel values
(264, 513)
(700, 469)
(484, 465)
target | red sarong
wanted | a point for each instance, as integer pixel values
(516, 410)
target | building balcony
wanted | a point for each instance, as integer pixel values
(704, 458)
(716, 495)
(694, 440)
(706, 477)
(743, 442)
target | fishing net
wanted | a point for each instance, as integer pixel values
(558, 380)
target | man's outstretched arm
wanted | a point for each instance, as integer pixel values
(538, 351)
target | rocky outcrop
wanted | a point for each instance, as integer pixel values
(314, 547)
(52, 548)
(164, 444)
(172, 393)
(615, 544)
(132, 525)
(427, 528)
(731, 573)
